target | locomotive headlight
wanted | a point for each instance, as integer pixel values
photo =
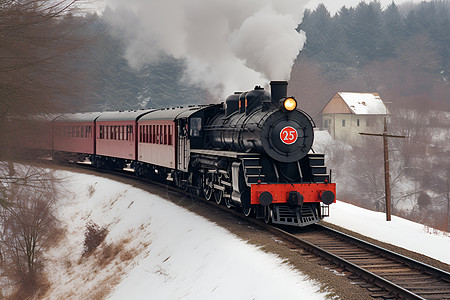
(289, 104)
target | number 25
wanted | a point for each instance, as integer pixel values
(289, 135)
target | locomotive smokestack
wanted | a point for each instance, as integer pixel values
(278, 90)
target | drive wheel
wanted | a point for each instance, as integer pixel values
(247, 211)
(268, 214)
(218, 195)
(208, 188)
(228, 203)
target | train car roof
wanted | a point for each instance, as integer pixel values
(171, 113)
(78, 117)
(129, 115)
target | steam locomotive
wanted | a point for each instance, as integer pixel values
(251, 152)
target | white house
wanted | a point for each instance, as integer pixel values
(347, 114)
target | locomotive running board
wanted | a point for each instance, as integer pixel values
(223, 153)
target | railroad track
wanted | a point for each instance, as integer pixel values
(395, 276)
(386, 274)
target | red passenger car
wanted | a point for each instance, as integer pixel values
(116, 137)
(157, 138)
(75, 133)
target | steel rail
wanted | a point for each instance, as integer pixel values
(393, 255)
(397, 290)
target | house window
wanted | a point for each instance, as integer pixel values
(343, 123)
(357, 122)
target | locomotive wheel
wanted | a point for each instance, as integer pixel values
(247, 211)
(228, 203)
(197, 187)
(268, 213)
(218, 195)
(208, 189)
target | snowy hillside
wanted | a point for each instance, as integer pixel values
(159, 250)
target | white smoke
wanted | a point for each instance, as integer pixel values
(227, 45)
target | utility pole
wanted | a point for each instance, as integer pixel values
(387, 179)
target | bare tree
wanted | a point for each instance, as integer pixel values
(367, 170)
(27, 226)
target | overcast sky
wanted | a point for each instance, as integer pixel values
(333, 5)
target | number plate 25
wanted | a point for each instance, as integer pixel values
(288, 135)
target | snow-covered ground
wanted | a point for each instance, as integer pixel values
(157, 250)
(398, 231)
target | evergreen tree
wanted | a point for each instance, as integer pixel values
(431, 19)
(442, 36)
(345, 49)
(317, 26)
(393, 29)
(367, 31)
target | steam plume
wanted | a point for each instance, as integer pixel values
(227, 45)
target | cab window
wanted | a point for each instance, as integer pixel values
(195, 127)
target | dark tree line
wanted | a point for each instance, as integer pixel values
(114, 85)
(355, 37)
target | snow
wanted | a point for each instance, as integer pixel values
(177, 254)
(364, 103)
(401, 232)
(324, 143)
(167, 252)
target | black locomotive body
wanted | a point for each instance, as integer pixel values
(256, 156)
